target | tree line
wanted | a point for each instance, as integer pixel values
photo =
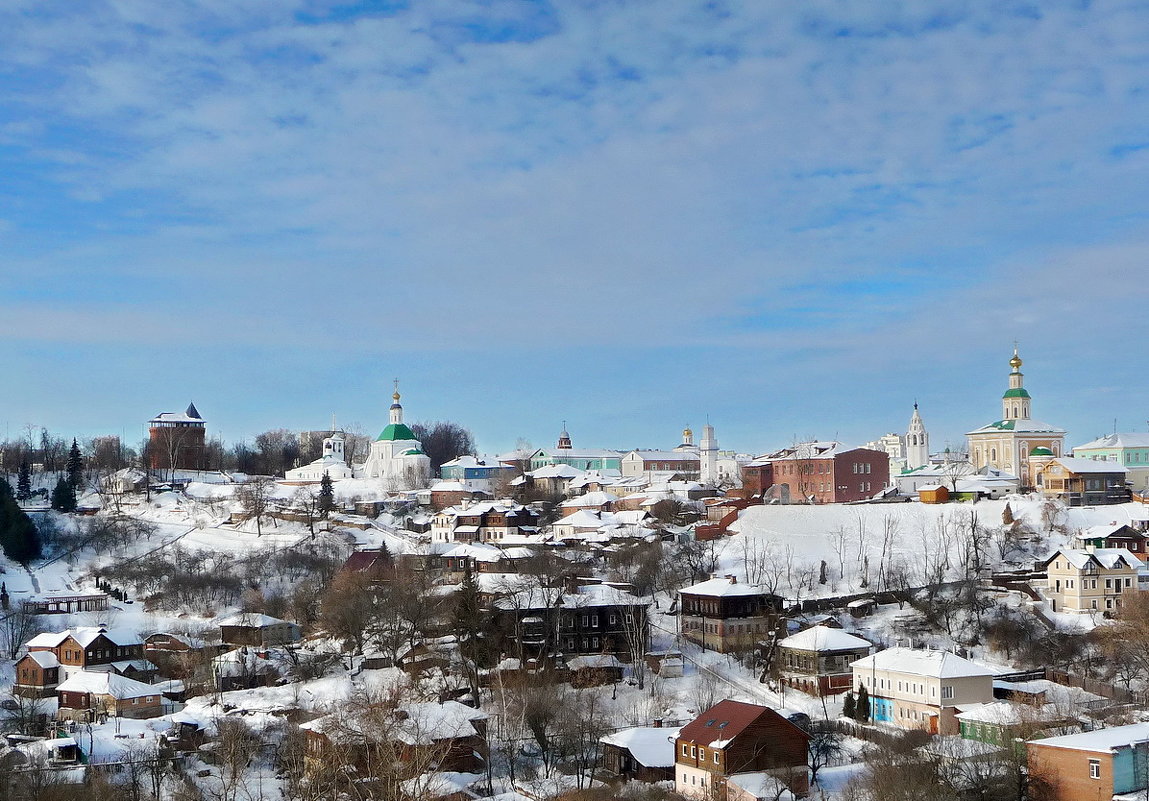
(37, 451)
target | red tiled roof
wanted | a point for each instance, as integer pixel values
(724, 721)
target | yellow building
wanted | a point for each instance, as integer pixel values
(1091, 579)
(1016, 443)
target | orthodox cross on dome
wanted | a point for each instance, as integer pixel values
(396, 395)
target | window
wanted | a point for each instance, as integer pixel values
(693, 751)
(1095, 768)
(684, 752)
(702, 753)
(715, 757)
(947, 691)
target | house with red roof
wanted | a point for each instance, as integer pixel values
(733, 738)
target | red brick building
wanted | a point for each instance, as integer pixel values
(176, 441)
(817, 472)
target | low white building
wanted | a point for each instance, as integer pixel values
(920, 689)
(332, 463)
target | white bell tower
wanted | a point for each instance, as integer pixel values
(917, 442)
(708, 453)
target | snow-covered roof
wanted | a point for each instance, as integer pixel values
(1103, 531)
(1100, 740)
(472, 461)
(449, 486)
(722, 588)
(594, 662)
(441, 784)
(1019, 425)
(936, 664)
(45, 659)
(651, 747)
(190, 415)
(1003, 713)
(1108, 558)
(113, 684)
(85, 636)
(823, 638)
(598, 498)
(1089, 465)
(556, 471)
(1116, 441)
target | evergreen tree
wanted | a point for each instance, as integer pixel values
(471, 628)
(19, 537)
(24, 483)
(64, 496)
(75, 467)
(862, 708)
(849, 707)
(326, 495)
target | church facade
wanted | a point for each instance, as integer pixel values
(396, 456)
(1016, 443)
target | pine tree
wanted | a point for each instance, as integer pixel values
(19, 537)
(326, 495)
(862, 708)
(24, 483)
(75, 467)
(64, 496)
(849, 707)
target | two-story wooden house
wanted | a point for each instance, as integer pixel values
(723, 615)
(91, 648)
(918, 689)
(37, 675)
(1083, 482)
(733, 738)
(1090, 579)
(817, 660)
(595, 619)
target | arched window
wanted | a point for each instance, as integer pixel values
(993, 454)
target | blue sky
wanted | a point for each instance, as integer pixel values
(795, 218)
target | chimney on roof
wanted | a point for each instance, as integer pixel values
(732, 578)
(656, 723)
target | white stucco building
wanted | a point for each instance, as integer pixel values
(396, 456)
(332, 463)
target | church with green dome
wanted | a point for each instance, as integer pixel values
(396, 456)
(1016, 443)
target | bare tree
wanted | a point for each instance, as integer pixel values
(307, 502)
(16, 629)
(443, 441)
(254, 498)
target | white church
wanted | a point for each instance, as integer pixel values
(396, 457)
